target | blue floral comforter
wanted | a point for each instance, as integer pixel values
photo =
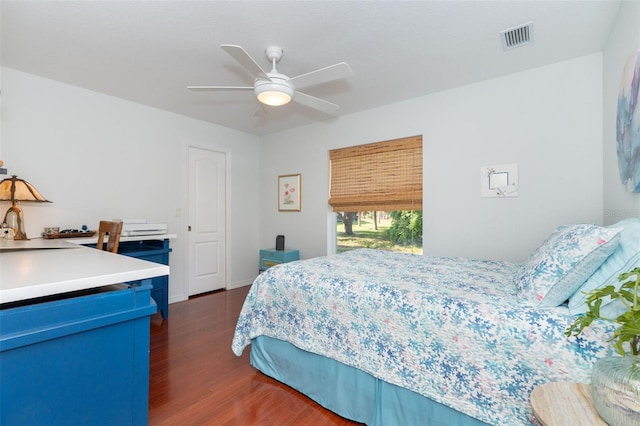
(450, 329)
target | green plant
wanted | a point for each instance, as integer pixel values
(406, 227)
(629, 329)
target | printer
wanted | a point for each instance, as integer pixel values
(133, 228)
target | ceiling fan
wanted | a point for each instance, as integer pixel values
(275, 89)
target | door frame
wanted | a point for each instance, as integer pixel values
(185, 217)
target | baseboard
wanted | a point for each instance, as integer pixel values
(239, 284)
(179, 298)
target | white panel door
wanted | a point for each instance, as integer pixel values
(206, 251)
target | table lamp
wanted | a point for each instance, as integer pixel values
(14, 189)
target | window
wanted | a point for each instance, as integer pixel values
(380, 176)
(374, 182)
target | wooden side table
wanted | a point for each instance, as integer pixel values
(564, 403)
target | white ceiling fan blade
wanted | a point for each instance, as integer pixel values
(330, 73)
(243, 58)
(203, 88)
(315, 103)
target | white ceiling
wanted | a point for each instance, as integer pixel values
(149, 51)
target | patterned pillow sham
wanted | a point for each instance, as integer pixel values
(563, 262)
(625, 257)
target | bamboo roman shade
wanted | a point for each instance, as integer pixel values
(380, 176)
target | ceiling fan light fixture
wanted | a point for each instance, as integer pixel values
(274, 98)
(273, 93)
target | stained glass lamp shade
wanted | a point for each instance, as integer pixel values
(14, 189)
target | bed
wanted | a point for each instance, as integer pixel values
(387, 338)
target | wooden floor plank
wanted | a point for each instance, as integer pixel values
(195, 378)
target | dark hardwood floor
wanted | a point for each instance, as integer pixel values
(195, 379)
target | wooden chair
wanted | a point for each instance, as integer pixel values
(113, 230)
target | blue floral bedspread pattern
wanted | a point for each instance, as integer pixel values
(447, 328)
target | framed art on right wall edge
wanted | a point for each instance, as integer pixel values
(628, 124)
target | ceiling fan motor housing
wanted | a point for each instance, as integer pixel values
(274, 92)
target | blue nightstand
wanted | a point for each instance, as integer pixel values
(272, 257)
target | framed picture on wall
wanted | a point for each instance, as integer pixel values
(289, 193)
(628, 124)
(499, 181)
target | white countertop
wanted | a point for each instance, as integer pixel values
(38, 268)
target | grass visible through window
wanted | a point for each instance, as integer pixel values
(365, 236)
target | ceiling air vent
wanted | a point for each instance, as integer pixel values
(517, 36)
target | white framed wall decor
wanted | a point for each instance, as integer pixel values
(499, 180)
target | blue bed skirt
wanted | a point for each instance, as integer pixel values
(349, 392)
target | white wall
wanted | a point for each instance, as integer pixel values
(548, 120)
(623, 41)
(99, 157)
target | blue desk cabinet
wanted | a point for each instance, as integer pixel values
(272, 257)
(80, 358)
(154, 251)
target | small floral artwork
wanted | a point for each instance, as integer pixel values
(289, 193)
(289, 196)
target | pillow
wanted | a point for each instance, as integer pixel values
(625, 257)
(519, 281)
(563, 262)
